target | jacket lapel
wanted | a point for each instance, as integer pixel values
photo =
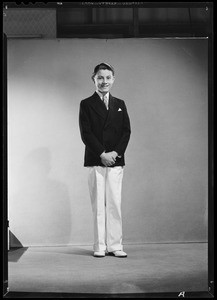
(99, 106)
(111, 109)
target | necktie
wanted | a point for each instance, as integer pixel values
(105, 100)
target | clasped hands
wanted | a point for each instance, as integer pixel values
(108, 159)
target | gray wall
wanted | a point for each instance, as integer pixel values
(164, 84)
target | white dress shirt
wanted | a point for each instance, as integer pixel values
(104, 98)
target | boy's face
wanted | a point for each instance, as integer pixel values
(104, 80)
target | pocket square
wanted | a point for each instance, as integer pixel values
(119, 109)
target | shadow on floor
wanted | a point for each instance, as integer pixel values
(16, 249)
(14, 254)
(81, 251)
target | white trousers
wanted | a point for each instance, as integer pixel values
(105, 186)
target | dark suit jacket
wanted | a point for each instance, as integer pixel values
(103, 130)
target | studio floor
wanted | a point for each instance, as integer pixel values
(149, 268)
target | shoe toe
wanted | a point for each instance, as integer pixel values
(120, 253)
(99, 254)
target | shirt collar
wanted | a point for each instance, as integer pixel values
(101, 95)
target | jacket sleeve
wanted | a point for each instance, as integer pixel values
(126, 131)
(87, 136)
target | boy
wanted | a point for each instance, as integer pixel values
(105, 131)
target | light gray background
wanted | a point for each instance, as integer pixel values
(164, 85)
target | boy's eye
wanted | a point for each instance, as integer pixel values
(101, 77)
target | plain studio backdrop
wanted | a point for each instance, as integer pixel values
(164, 83)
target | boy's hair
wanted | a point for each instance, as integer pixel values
(102, 66)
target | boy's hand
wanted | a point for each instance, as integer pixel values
(108, 159)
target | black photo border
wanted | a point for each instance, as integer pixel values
(202, 30)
